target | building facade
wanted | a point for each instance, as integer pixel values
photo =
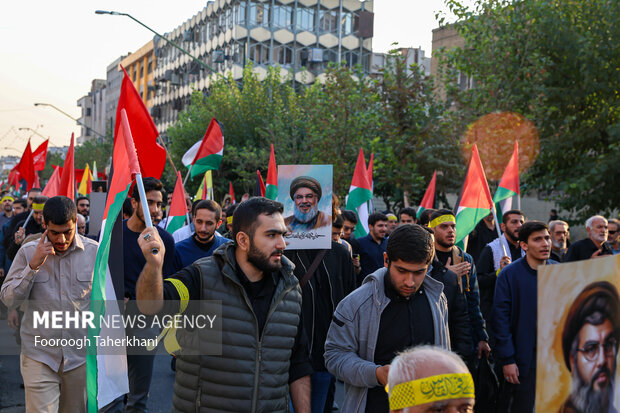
(302, 37)
(114, 79)
(447, 37)
(92, 119)
(139, 66)
(413, 56)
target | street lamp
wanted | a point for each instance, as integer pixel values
(170, 42)
(71, 117)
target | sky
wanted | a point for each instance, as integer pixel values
(52, 50)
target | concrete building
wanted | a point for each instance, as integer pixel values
(413, 56)
(139, 66)
(114, 78)
(93, 112)
(447, 37)
(301, 36)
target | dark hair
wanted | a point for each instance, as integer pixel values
(81, 198)
(408, 211)
(350, 216)
(127, 207)
(35, 190)
(376, 216)
(425, 216)
(59, 210)
(338, 222)
(529, 228)
(210, 205)
(440, 213)
(41, 199)
(245, 217)
(511, 212)
(21, 202)
(410, 243)
(231, 210)
(150, 184)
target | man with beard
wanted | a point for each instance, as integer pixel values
(7, 209)
(454, 259)
(594, 245)
(592, 325)
(407, 216)
(559, 238)
(83, 208)
(264, 350)
(492, 260)
(371, 247)
(514, 318)
(205, 239)
(140, 367)
(59, 264)
(613, 235)
(20, 229)
(306, 192)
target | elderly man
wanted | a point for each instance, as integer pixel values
(417, 370)
(559, 238)
(306, 192)
(590, 247)
(81, 224)
(592, 325)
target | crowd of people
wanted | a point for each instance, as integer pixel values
(388, 314)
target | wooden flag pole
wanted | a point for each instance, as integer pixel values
(499, 232)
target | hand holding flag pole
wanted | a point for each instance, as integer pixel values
(499, 233)
(27, 219)
(134, 167)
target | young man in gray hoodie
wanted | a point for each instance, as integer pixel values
(396, 307)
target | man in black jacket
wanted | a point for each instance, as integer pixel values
(322, 290)
(16, 235)
(592, 246)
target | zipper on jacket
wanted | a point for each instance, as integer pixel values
(198, 398)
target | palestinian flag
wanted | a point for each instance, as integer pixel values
(271, 191)
(178, 207)
(106, 374)
(370, 180)
(360, 193)
(259, 185)
(205, 190)
(508, 185)
(429, 196)
(231, 192)
(475, 202)
(208, 155)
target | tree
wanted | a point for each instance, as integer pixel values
(556, 64)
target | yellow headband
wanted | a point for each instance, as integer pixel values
(4, 198)
(229, 220)
(440, 220)
(432, 389)
(37, 207)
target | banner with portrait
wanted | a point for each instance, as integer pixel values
(306, 193)
(578, 329)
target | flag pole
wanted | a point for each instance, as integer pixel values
(28, 219)
(145, 206)
(167, 153)
(187, 175)
(499, 233)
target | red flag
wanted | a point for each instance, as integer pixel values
(429, 196)
(259, 187)
(14, 176)
(360, 174)
(271, 190)
(67, 178)
(79, 174)
(369, 170)
(39, 156)
(151, 155)
(53, 184)
(231, 192)
(510, 179)
(37, 184)
(26, 167)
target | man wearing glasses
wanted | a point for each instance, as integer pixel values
(590, 346)
(613, 235)
(306, 192)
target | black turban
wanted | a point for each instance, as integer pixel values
(599, 297)
(305, 182)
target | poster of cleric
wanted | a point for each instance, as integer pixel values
(578, 333)
(306, 193)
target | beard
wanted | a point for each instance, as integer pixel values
(444, 244)
(599, 237)
(558, 245)
(308, 216)
(261, 261)
(586, 399)
(514, 236)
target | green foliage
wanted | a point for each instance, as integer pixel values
(555, 62)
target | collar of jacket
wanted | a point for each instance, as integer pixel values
(432, 287)
(225, 257)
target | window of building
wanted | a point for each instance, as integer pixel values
(282, 55)
(229, 18)
(283, 17)
(88, 112)
(141, 71)
(149, 69)
(239, 13)
(349, 23)
(259, 53)
(259, 14)
(304, 19)
(350, 58)
(328, 21)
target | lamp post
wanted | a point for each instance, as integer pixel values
(71, 117)
(37, 133)
(170, 42)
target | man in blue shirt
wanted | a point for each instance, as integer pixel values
(514, 316)
(205, 240)
(371, 247)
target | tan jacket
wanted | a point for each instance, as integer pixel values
(64, 283)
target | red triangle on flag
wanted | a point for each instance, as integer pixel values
(26, 167)
(178, 206)
(360, 175)
(510, 179)
(231, 192)
(67, 179)
(429, 196)
(272, 171)
(476, 192)
(369, 170)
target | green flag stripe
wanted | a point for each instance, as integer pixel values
(466, 221)
(271, 192)
(202, 165)
(503, 193)
(97, 298)
(357, 197)
(420, 210)
(175, 223)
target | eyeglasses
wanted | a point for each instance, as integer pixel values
(592, 350)
(610, 232)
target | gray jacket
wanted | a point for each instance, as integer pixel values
(352, 336)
